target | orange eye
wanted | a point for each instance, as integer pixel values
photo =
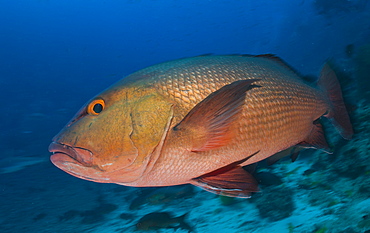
(95, 107)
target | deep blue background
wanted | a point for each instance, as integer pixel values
(64, 49)
(57, 54)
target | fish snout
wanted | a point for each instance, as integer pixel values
(62, 152)
(76, 161)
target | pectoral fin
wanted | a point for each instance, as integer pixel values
(209, 121)
(231, 180)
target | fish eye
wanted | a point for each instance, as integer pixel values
(96, 107)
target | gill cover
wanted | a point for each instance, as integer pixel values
(121, 129)
(151, 118)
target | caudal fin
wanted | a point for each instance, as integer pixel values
(338, 114)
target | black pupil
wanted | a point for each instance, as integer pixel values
(98, 108)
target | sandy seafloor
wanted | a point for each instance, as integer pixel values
(319, 193)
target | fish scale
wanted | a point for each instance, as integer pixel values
(271, 119)
(260, 100)
(198, 120)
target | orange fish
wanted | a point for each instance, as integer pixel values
(198, 120)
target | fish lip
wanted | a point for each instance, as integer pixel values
(71, 160)
(80, 155)
(56, 147)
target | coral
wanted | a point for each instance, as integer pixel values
(353, 162)
(274, 202)
(322, 198)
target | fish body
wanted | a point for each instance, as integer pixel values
(198, 120)
(160, 220)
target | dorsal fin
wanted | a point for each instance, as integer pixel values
(278, 60)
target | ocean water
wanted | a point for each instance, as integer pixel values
(55, 55)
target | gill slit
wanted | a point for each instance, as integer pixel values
(157, 151)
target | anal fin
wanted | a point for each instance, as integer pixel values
(234, 183)
(231, 180)
(316, 139)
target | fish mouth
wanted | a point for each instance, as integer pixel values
(77, 154)
(75, 161)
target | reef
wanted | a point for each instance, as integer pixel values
(91, 216)
(274, 202)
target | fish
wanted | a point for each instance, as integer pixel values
(160, 220)
(198, 121)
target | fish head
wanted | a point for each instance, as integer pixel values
(113, 136)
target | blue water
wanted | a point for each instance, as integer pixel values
(55, 55)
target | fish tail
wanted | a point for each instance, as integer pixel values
(337, 114)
